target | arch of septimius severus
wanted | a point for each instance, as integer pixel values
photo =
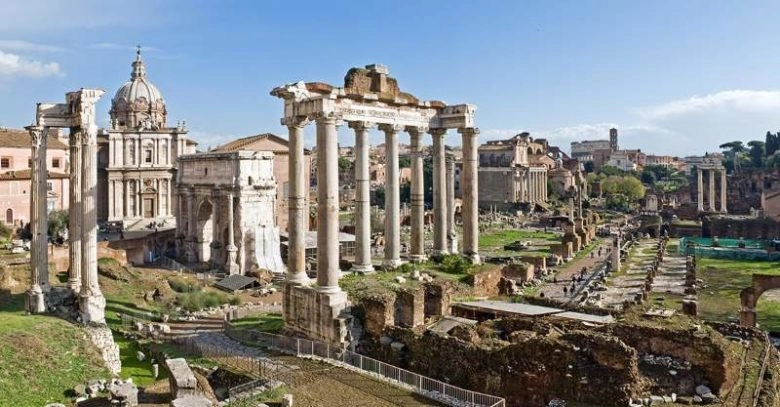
(78, 115)
(370, 98)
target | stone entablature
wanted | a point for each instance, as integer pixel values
(227, 216)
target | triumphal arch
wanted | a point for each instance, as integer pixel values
(78, 115)
(370, 98)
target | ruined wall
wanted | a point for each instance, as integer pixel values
(485, 283)
(750, 228)
(706, 351)
(528, 370)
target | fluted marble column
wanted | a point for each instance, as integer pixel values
(439, 193)
(711, 184)
(417, 249)
(328, 271)
(36, 302)
(74, 211)
(362, 262)
(392, 198)
(91, 301)
(470, 194)
(723, 194)
(452, 237)
(699, 190)
(297, 202)
(232, 266)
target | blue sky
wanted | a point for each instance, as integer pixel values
(675, 77)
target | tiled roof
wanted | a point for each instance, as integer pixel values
(25, 174)
(245, 142)
(14, 138)
(235, 282)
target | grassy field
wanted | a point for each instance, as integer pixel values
(41, 357)
(493, 242)
(271, 322)
(724, 280)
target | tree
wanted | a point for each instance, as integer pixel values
(344, 164)
(58, 223)
(589, 167)
(733, 153)
(756, 153)
(404, 161)
(771, 143)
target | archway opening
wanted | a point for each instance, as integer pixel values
(9, 216)
(205, 230)
(768, 311)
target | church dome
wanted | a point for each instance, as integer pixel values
(138, 104)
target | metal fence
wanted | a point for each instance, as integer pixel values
(431, 388)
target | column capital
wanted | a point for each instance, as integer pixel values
(295, 121)
(390, 128)
(325, 117)
(361, 125)
(416, 130)
(88, 134)
(37, 134)
(468, 131)
(437, 131)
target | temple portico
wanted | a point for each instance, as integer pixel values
(710, 198)
(78, 115)
(369, 99)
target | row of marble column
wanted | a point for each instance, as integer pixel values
(328, 199)
(82, 221)
(188, 199)
(537, 186)
(711, 189)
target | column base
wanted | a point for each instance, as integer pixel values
(35, 303)
(74, 285)
(299, 278)
(92, 308)
(392, 263)
(417, 258)
(330, 289)
(362, 268)
(440, 252)
(474, 257)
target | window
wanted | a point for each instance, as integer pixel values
(48, 186)
(55, 162)
(5, 162)
(29, 163)
(9, 216)
(148, 156)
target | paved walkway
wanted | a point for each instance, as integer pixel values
(564, 274)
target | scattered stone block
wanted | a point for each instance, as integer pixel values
(140, 356)
(287, 400)
(191, 401)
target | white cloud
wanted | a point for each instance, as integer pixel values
(728, 100)
(21, 45)
(15, 65)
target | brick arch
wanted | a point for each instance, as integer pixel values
(750, 295)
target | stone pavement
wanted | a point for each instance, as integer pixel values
(564, 274)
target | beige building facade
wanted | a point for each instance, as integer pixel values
(137, 156)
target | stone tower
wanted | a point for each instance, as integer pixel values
(613, 140)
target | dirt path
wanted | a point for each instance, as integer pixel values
(564, 274)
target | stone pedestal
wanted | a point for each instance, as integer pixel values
(35, 302)
(315, 314)
(92, 308)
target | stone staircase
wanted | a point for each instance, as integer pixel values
(197, 326)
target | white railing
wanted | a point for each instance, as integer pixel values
(425, 386)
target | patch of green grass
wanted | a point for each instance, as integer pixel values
(268, 396)
(141, 372)
(495, 240)
(271, 322)
(725, 279)
(42, 357)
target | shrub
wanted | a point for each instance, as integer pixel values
(183, 286)
(455, 264)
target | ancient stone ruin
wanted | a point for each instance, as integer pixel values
(369, 98)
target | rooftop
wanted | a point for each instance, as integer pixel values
(14, 138)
